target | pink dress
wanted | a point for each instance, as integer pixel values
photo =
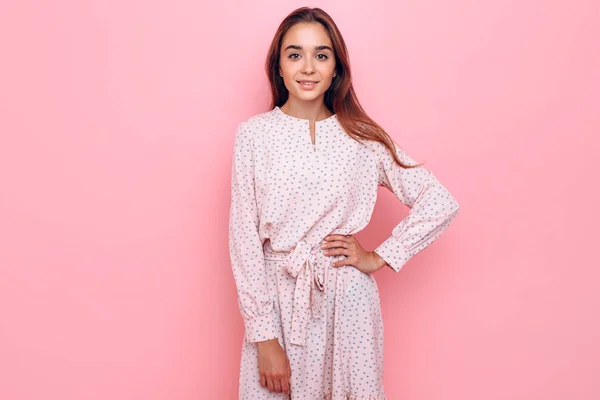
(286, 196)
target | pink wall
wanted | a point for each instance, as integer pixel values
(117, 121)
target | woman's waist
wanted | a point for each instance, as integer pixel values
(274, 255)
(272, 250)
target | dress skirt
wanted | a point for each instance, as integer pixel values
(342, 357)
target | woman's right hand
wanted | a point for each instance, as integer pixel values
(274, 366)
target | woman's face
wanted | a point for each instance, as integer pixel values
(307, 56)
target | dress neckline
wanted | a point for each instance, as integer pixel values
(302, 120)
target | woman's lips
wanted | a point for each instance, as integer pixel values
(308, 85)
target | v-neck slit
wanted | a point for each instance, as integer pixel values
(306, 124)
(312, 145)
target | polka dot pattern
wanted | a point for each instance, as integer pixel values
(287, 194)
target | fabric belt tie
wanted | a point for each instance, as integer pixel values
(309, 292)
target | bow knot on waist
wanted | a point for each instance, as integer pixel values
(303, 258)
(309, 292)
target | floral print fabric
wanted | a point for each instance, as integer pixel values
(287, 194)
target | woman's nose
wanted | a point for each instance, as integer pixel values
(308, 66)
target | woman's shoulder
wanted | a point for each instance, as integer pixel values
(253, 128)
(374, 146)
(258, 121)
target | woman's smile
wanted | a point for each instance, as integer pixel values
(307, 85)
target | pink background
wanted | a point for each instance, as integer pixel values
(117, 121)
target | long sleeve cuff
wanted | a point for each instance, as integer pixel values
(394, 253)
(260, 328)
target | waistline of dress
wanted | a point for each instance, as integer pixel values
(273, 255)
(276, 255)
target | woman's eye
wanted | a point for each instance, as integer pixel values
(293, 56)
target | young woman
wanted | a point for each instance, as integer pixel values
(304, 181)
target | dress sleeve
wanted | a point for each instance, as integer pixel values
(245, 247)
(432, 207)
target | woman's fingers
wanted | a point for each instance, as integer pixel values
(277, 385)
(335, 244)
(337, 251)
(285, 385)
(274, 367)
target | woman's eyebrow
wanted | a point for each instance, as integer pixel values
(320, 47)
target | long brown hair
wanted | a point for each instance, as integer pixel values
(340, 98)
